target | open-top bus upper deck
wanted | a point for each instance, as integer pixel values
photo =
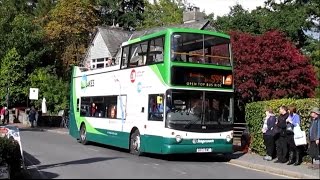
(182, 57)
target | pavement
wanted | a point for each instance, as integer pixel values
(244, 160)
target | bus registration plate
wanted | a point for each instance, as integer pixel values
(203, 150)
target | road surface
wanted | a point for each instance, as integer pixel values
(51, 155)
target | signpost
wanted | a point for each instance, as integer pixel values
(33, 93)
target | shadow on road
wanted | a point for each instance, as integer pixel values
(30, 159)
(81, 161)
(38, 173)
(31, 129)
(195, 157)
(33, 172)
(109, 147)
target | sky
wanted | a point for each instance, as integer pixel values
(222, 7)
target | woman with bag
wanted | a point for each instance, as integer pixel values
(267, 130)
(294, 122)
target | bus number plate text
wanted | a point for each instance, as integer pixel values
(203, 150)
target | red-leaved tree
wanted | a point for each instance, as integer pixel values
(269, 66)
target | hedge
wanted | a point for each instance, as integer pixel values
(11, 155)
(255, 114)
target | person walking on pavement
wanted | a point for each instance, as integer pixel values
(6, 115)
(32, 116)
(314, 137)
(2, 112)
(281, 141)
(267, 130)
(294, 151)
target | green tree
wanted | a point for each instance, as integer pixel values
(238, 19)
(131, 13)
(27, 38)
(293, 17)
(51, 87)
(128, 14)
(12, 76)
(68, 29)
(162, 13)
(42, 7)
(9, 9)
(109, 11)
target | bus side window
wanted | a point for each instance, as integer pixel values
(156, 47)
(156, 107)
(78, 102)
(125, 57)
(138, 54)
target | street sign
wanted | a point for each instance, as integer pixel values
(33, 94)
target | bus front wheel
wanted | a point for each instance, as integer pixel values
(135, 143)
(83, 135)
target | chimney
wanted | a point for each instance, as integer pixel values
(192, 14)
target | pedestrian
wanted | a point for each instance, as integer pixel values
(294, 122)
(6, 115)
(32, 116)
(314, 137)
(268, 135)
(281, 138)
(2, 111)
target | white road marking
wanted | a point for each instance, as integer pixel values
(178, 171)
(93, 149)
(267, 172)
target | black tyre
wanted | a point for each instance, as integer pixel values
(83, 135)
(135, 143)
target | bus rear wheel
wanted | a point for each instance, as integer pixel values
(83, 135)
(135, 143)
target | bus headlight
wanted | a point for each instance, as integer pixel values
(178, 138)
(228, 138)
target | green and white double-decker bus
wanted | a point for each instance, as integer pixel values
(171, 92)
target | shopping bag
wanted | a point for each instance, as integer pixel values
(297, 132)
(300, 137)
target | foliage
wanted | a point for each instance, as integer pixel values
(68, 29)
(255, 113)
(21, 49)
(238, 19)
(293, 17)
(10, 154)
(12, 76)
(43, 7)
(270, 67)
(162, 13)
(128, 14)
(51, 87)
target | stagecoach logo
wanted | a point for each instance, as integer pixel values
(85, 83)
(202, 141)
(133, 75)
